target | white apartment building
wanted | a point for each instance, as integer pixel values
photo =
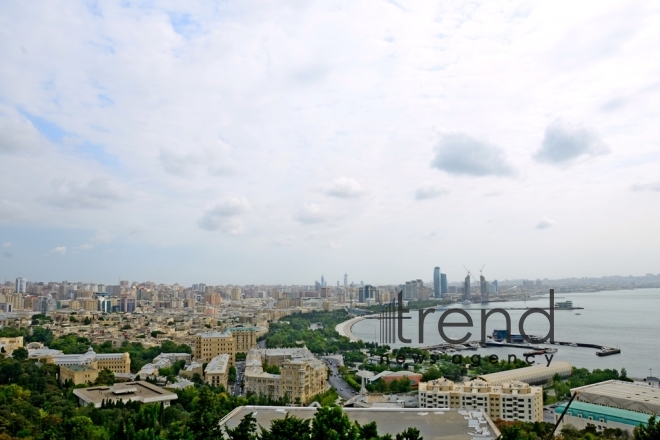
(508, 401)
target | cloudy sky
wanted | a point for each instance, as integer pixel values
(272, 142)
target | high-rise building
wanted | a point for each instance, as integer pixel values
(345, 280)
(323, 281)
(496, 286)
(368, 292)
(411, 289)
(436, 282)
(21, 285)
(444, 288)
(483, 289)
(466, 288)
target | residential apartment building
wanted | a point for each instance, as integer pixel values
(211, 344)
(508, 401)
(246, 338)
(301, 377)
(217, 371)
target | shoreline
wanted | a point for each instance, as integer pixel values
(344, 328)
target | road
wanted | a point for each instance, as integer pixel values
(549, 412)
(343, 389)
(240, 371)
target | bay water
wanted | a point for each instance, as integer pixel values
(625, 319)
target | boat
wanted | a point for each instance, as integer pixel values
(550, 350)
(572, 344)
(474, 345)
(500, 336)
(534, 353)
(606, 351)
(578, 313)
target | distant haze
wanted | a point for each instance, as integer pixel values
(254, 142)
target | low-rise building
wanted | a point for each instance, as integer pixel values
(623, 395)
(583, 415)
(126, 392)
(8, 345)
(78, 374)
(507, 401)
(302, 376)
(534, 375)
(433, 425)
(217, 371)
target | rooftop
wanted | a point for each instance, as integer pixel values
(214, 334)
(536, 374)
(434, 424)
(599, 411)
(126, 391)
(625, 395)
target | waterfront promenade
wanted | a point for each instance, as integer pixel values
(344, 328)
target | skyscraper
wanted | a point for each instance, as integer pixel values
(345, 280)
(436, 282)
(466, 288)
(322, 281)
(21, 285)
(444, 288)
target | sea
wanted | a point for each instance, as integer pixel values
(625, 319)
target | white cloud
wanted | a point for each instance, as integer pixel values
(84, 247)
(224, 214)
(311, 213)
(654, 186)
(546, 223)
(332, 245)
(345, 188)
(18, 136)
(98, 193)
(59, 250)
(11, 211)
(6, 244)
(461, 154)
(564, 143)
(430, 191)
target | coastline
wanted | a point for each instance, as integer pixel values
(344, 328)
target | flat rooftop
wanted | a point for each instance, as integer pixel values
(127, 391)
(625, 395)
(433, 424)
(624, 416)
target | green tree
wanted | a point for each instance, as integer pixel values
(87, 321)
(368, 431)
(288, 428)
(245, 430)
(649, 432)
(205, 417)
(331, 423)
(409, 434)
(20, 354)
(105, 377)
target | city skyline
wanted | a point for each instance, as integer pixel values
(257, 143)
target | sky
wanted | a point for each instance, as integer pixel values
(274, 142)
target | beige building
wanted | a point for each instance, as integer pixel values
(211, 344)
(507, 401)
(217, 371)
(236, 294)
(89, 305)
(8, 345)
(115, 362)
(78, 374)
(246, 338)
(302, 375)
